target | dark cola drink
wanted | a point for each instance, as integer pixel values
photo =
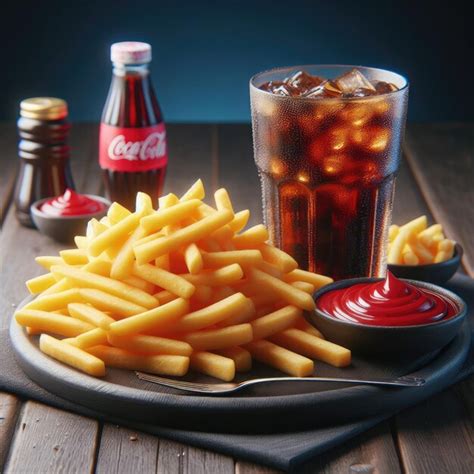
(132, 144)
(327, 147)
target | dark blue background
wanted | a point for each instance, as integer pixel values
(205, 52)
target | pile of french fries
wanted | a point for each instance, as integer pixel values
(414, 243)
(180, 287)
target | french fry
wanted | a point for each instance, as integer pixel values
(246, 313)
(209, 245)
(173, 365)
(113, 234)
(240, 220)
(81, 241)
(74, 256)
(144, 344)
(90, 315)
(251, 238)
(314, 347)
(116, 288)
(103, 301)
(286, 263)
(275, 322)
(223, 276)
(302, 324)
(187, 235)
(40, 283)
(47, 261)
(51, 322)
(55, 301)
(426, 236)
(164, 279)
(222, 338)
(165, 296)
(409, 257)
(95, 228)
(72, 356)
(123, 263)
(241, 357)
(196, 191)
(159, 317)
(143, 204)
(193, 258)
(214, 365)
(61, 285)
(271, 270)
(288, 293)
(392, 232)
(87, 339)
(441, 256)
(304, 286)
(168, 200)
(314, 278)
(138, 282)
(447, 246)
(423, 254)
(99, 265)
(242, 257)
(416, 225)
(282, 359)
(212, 314)
(169, 215)
(222, 200)
(117, 213)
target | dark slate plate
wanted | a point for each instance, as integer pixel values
(273, 408)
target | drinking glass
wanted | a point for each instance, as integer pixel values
(327, 168)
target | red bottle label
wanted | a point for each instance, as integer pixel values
(132, 149)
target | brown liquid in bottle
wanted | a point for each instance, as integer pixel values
(44, 154)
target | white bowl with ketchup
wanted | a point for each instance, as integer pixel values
(63, 217)
(389, 317)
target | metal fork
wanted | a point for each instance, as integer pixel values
(219, 388)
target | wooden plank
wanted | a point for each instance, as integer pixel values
(123, 451)
(50, 440)
(442, 159)
(9, 407)
(242, 467)
(176, 457)
(237, 171)
(8, 165)
(373, 451)
(438, 435)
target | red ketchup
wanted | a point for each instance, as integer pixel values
(71, 204)
(390, 302)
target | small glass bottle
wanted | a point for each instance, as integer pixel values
(44, 153)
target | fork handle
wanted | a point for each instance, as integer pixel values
(405, 381)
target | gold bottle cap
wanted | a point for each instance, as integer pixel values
(43, 108)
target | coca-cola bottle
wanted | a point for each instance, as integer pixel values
(132, 142)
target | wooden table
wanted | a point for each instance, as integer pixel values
(436, 179)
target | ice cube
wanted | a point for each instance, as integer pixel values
(302, 81)
(283, 90)
(326, 89)
(353, 80)
(385, 87)
(270, 86)
(361, 92)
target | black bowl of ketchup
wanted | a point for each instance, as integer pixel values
(63, 217)
(391, 317)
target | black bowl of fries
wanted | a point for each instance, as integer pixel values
(389, 342)
(437, 273)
